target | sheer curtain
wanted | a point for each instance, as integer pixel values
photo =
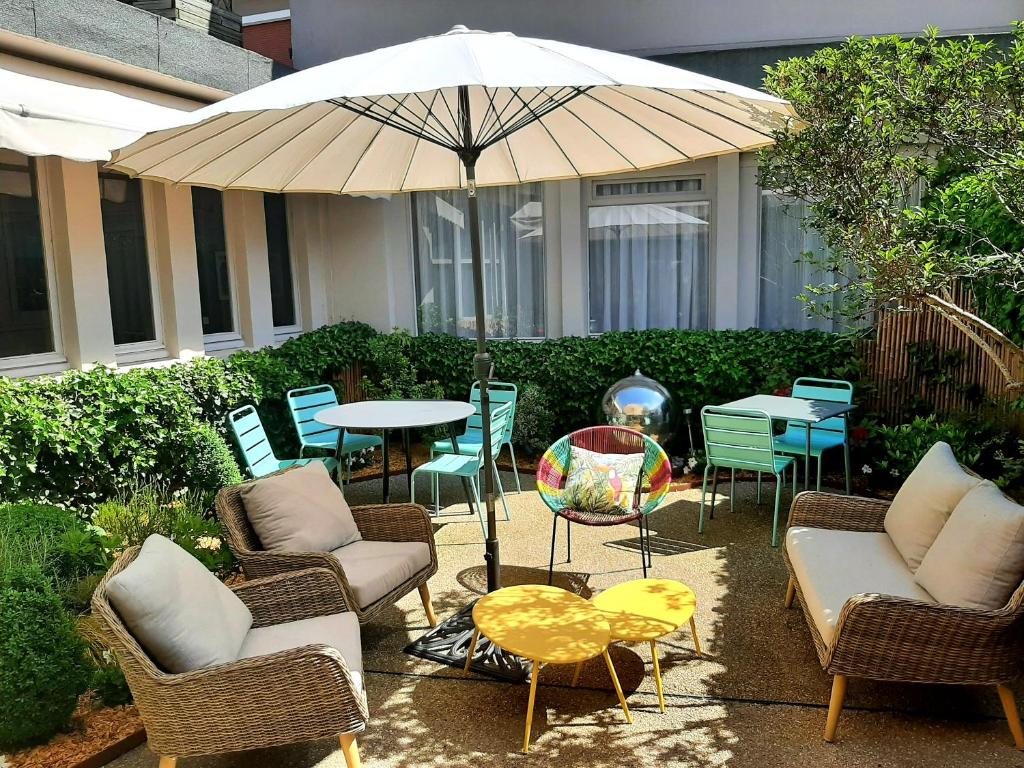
(648, 266)
(512, 240)
(784, 271)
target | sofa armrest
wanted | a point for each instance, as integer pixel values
(292, 596)
(836, 512)
(394, 522)
(899, 638)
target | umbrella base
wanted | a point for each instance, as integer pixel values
(448, 643)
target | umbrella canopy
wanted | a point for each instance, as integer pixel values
(389, 120)
(46, 117)
(457, 110)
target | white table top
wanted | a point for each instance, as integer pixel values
(792, 408)
(394, 414)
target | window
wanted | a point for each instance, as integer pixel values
(26, 325)
(128, 275)
(212, 256)
(648, 254)
(512, 238)
(282, 287)
(784, 270)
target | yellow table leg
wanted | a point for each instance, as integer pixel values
(657, 675)
(576, 674)
(529, 707)
(615, 682)
(472, 650)
(696, 640)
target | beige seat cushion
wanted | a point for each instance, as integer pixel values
(301, 510)
(339, 631)
(374, 568)
(977, 561)
(833, 566)
(183, 616)
(925, 502)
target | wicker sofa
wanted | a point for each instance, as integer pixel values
(390, 523)
(306, 691)
(898, 638)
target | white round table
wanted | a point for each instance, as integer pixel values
(385, 415)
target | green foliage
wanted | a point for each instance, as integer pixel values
(392, 369)
(42, 663)
(878, 114)
(534, 428)
(987, 448)
(179, 515)
(209, 463)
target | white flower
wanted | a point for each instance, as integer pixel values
(211, 543)
(866, 469)
(894, 472)
(108, 656)
(691, 462)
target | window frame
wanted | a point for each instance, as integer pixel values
(285, 332)
(233, 339)
(156, 349)
(40, 363)
(457, 264)
(706, 194)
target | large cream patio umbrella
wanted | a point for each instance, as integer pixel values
(458, 110)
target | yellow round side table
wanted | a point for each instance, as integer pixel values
(645, 610)
(546, 625)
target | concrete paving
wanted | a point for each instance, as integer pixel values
(757, 698)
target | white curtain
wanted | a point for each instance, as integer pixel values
(648, 266)
(512, 240)
(784, 269)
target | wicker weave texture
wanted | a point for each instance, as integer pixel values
(296, 695)
(883, 637)
(377, 522)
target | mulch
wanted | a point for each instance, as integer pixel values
(92, 739)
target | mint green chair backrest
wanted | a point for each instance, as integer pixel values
(252, 441)
(501, 418)
(738, 438)
(304, 404)
(829, 390)
(501, 392)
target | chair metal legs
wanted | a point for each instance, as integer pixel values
(568, 544)
(818, 486)
(515, 467)
(703, 492)
(846, 464)
(779, 480)
(732, 488)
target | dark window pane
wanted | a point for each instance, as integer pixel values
(25, 326)
(124, 238)
(282, 292)
(212, 256)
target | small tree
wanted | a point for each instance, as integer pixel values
(884, 118)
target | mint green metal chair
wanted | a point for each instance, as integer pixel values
(304, 404)
(827, 434)
(465, 466)
(257, 454)
(471, 441)
(740, 439)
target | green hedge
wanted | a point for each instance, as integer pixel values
(86, 436)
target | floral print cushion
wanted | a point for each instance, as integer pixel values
(602, 484)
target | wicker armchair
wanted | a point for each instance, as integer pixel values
(376, 522)
(291, 696)
(883, 637)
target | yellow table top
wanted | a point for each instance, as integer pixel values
(646, 609)
(542, 623)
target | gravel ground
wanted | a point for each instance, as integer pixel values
(757, 698)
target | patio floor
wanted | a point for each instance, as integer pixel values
(757, 698)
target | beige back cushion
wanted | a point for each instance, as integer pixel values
(183, 616)
(925, 502)
(977, 561)
(301, 510)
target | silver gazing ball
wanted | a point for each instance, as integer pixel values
(640, 403)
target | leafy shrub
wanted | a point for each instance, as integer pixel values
(106, 679)
(42, 664)
(180, 516)
(210, 463)
(534, 428)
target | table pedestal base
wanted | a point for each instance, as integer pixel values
(448, 643)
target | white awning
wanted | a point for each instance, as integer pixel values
(46, 117)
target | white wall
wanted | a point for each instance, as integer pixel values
(323, 30)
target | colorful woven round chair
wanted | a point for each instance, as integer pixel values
(652, 483)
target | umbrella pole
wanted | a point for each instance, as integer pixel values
(481, 360)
